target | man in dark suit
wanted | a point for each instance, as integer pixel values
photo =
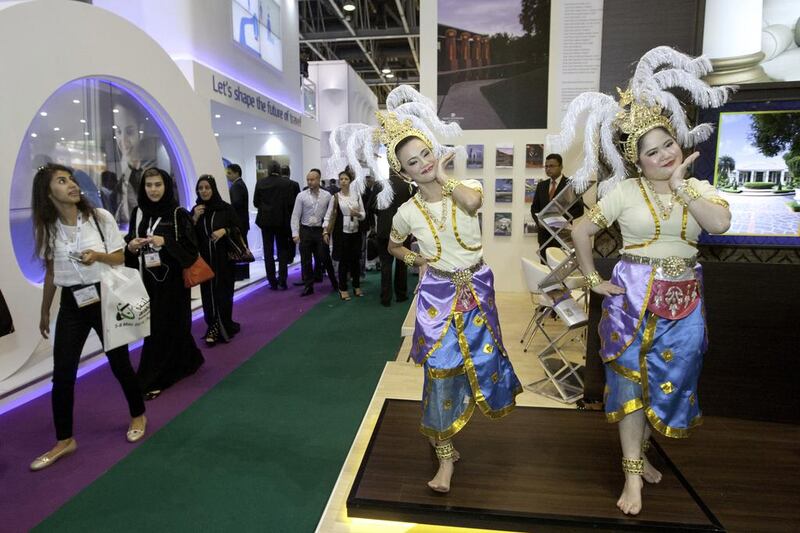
(274, 198)
(240, 200)
(403, 192)
(546, 190)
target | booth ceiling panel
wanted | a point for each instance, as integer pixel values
(377, 35)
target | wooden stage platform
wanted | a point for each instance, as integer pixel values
(543, 469)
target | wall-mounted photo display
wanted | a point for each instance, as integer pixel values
(474, 156)
(504, 156)
(504, 190)
(450, 165)
(502, 224)
(530, 189)
(534, 156)
(257, 28)
(493, 63)
(528, 226)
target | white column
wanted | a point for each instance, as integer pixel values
(732, 40)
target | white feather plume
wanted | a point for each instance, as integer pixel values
(353, 144)
(659, 70)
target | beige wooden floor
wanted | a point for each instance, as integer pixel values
(403, 380)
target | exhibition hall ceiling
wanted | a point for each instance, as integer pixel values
(378, 38)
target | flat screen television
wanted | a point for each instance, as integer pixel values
(753, 159)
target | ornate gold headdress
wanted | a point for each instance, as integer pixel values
(613, 129)
(408, 113)
(635, 120)
(391, 131)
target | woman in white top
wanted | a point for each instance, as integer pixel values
(342, 220)
(652, 329)
(76, 242)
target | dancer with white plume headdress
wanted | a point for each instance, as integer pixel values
(457, 334)
(652, 328)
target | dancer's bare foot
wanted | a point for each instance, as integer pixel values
(441, 481)
(630, 501)
(651, 474)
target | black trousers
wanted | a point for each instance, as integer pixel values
(350, 262)
(277, 239)
(400, 274)
(311, 244)
(73, 325)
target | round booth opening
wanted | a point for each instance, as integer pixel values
(109, 136)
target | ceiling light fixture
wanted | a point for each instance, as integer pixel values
(56, 129)
(115, 110)
(34, 135)
(238, 122)
(216, 134)
(217, 116)
(76, 101)
(255, 128)
(43, 113)
(349, 5)
(390, 75)
(83, 121)
(86, 133)
(387, 70)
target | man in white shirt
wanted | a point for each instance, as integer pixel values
(308, 214)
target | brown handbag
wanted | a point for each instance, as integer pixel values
(199, 271)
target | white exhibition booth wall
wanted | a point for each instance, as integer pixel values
(61, 41)
(504, 253)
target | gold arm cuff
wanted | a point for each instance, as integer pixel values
(686, 189)
(592, 279)
(717, 200)
(396, 236)
(410, 258)
(449, 186)
(597, 217)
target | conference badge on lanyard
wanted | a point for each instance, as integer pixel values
(86, 295)
(152, 259)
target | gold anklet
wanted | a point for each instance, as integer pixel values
(445, 451)
(645, 446)
(633, 466)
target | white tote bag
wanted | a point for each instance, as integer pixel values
(125, 305)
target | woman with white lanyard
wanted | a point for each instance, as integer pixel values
(73, 239)
(342, 219)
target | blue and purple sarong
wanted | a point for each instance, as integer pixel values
(458, 341)
(651, 363)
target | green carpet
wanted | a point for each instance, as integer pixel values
(262, 450)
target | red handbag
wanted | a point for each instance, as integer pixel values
(199, 271)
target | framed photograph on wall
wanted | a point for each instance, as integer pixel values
(474, 156)
(502, 224)
(503, 190)
(528, 226)
(493, 63)
(534, 156)
(530, 189)
(504, 156)
(753, 159)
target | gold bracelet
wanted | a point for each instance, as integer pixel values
(592, 280)
(689, 191)
(410, 258)
(449, 186)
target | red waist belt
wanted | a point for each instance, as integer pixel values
(673, 299)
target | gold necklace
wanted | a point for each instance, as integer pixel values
(665, 211)
(439, 223)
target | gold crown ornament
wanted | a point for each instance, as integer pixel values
(391, 131)
(635, 120)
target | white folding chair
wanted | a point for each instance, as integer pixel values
(562, 379)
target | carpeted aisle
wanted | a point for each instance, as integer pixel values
(262, 450)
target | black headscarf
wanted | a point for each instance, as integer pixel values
(215, 202)
(166, 205)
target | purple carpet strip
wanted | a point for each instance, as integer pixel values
(101, 414)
